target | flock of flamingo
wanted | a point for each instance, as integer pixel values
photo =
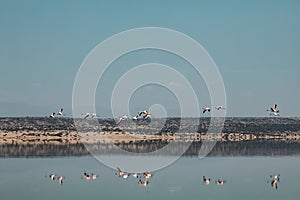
(144, 115)
(273, 181)
(143, 177)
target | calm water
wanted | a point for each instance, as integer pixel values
(247, 178)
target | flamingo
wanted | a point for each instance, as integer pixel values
(273, 110)
(275, 177)
(135, 175)
(206, 180)
(148, 116)
(206, 109)
(145, 114)
(143, 183)
(220, 107)
(94, 176)
(220, 182)
(125, 175)
(93, 115)
(86, 176)
(51, 176)
(52, 116)
(275, 113)
(122, 174)
(60, 180)
(147, 175)
(60, 111)
(86, 115)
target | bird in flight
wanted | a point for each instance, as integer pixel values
(273, 110)
(52, 115)
(145, 114)
(86, 115)
(51, 176)
(205, 109)
(60, 111)
(93, 115)
(220, 107)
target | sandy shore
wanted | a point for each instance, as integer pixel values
(73, 137)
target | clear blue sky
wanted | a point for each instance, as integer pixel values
(255, 44)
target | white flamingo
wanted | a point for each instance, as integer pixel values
(273, 110)
(86, 176)
(206, 180)
(94, 176)
(86, 115)
(60, 111)
(220, 182)
(93, 115)
(205, 109)
(145, 114)
(60, 180)
(275, 114)
(275, 177)
(52, 115)
(51, 176)
(135, 175)
(220, 107)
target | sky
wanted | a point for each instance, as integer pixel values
(255, 45)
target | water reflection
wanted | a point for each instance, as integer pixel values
(89, 176)
(224, 148)
(230, 178)
(143, 177)
(61, 168)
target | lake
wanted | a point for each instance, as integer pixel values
(247, 177)
(245, 155)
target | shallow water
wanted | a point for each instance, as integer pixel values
(221, 149)
(246, 178)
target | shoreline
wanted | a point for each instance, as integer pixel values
(73, 137)
(67, 130)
